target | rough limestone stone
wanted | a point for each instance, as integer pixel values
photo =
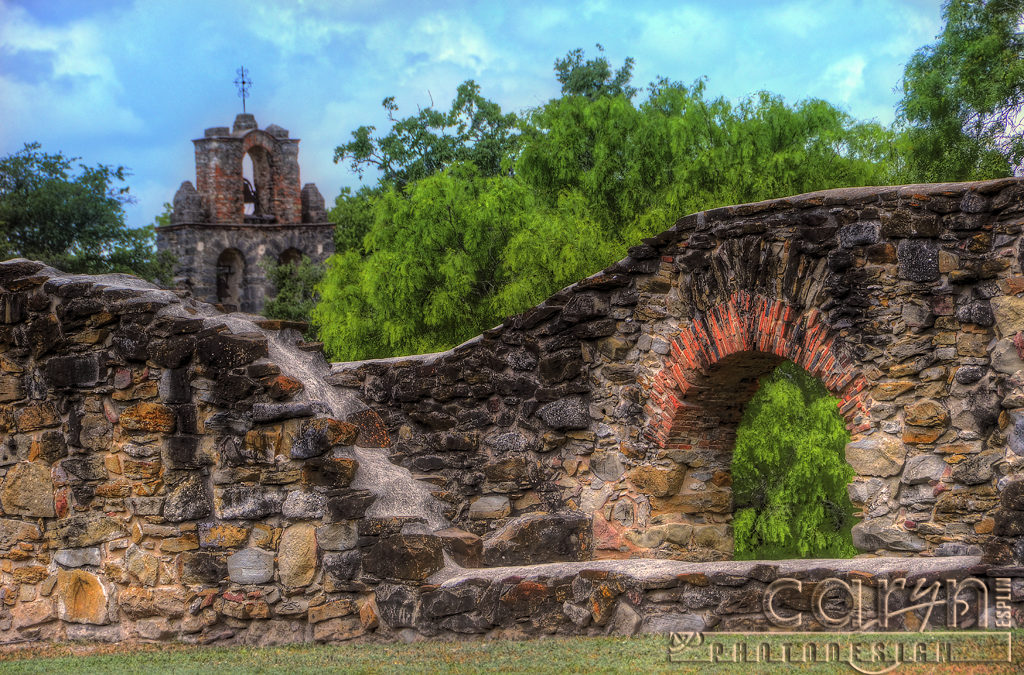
(878, 533)
(490, 506)
(302, 505)
(82, 597)
(148, 417)
(142, 565)
(977, 469)
(878, 455)
(923, 468)
(657, 481)
(1009, 314)
(188, 500)
(28, 491)
(565, 413)
(465, 548)
(1012, 495)
(411, 557)
(79, 557)
(607, 465)
(337, 536)
(926, 413)
(297, 555)
(87, 529)
(539, 538)
(251, 566)
(13, 531)
(251, 502)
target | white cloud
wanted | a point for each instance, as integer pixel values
(844, 78)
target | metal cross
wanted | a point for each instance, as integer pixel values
(243, 83)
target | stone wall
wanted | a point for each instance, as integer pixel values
(171, 472)
(199, 247)
(619, 396)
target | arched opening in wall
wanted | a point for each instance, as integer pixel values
(706, 493)
(290, 256)
(256, 186)
(697, 503)
(230, 278)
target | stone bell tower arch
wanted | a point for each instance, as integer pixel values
(253, 218)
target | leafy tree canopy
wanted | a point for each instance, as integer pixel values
(962, 95)
(593, 78)
(789, 472)
(463, 229)
(294, 288)
(72, 220)
(473, 130)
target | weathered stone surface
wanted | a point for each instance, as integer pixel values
(657, 481)
(923, 468)
(1012, 495)
(607, 465)
(566, 413)
(977, 469)
(213, 534)
(297, 555)
(188, 500)
(878, 455)
(141, 603)
(143, 566)
(926, 413)
(79, 557)
(87, 529)
(251, 566)
(251, 502)
(274, 412)
(82, 597)
(412, 557)
(348, 504)
(337, 536)
(302, 505)
(148, 417)
(1009, 314)
(491, 506)
(28, 491)
(874, 534)
(198, 567)
(539, 538)
(465, 548)
(13, 531)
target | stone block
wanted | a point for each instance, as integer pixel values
(877, 455)
(297, 555)
(410, 557)
(539, 538)
(251, 566)
(27, 490)
(82, 597)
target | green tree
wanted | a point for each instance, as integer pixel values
(473, 130)
(593, 78)
(352, 216)
(294, 284)
(790, 474)
(962, 95)
(426, 260)
(72, 220)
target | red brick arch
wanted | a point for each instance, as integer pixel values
(715, 360)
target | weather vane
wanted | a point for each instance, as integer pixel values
(243, 83)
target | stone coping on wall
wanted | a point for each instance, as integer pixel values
(654, 572)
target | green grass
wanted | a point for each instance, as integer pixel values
(584, 655)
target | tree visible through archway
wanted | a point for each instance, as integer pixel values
(789, 472)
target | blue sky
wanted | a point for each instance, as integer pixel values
(131, 82)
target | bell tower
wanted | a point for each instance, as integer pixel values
(225, 224)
